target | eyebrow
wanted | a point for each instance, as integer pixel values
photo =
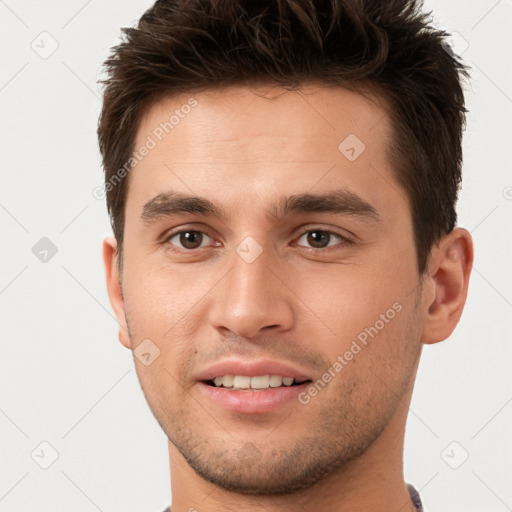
(339, 201)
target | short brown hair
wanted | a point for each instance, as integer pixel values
(388, 45)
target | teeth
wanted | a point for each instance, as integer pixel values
(260, 382)
(241, 382)
(227, 381)
(257, 382)
(276, 381)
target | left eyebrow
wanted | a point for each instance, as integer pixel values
(340, 201)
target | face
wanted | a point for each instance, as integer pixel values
(265, 236)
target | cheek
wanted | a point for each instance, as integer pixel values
(166, 305)
(349, 299)
(376, 356)
(161, 293)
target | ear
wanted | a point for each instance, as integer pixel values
(115, 292)
(446, 286)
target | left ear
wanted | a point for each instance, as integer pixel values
(446, 287)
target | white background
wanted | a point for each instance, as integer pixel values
(66, 380)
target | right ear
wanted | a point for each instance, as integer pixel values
(115, 293)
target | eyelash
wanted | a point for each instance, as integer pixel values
(343, 239)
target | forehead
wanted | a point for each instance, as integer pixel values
(228, 114)
(262, 139)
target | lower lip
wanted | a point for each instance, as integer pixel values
(253, 402)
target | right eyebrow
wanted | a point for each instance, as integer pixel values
(175, 203)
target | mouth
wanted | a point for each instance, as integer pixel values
(254, 383)
(256, 395)
(252, 386)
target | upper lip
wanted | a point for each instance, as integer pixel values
(251, 369)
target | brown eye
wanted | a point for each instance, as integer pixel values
(191, 239)
(188, 239)
(320, 239)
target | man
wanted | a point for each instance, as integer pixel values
(282, 180)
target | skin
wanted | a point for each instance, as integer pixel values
(244, 148)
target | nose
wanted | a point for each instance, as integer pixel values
(253, 298)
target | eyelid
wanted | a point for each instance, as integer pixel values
(186, 227)
(343, 233)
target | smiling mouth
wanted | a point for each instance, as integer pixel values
(256, 383)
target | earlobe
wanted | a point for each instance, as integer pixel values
(114, 288)
(446, 287)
